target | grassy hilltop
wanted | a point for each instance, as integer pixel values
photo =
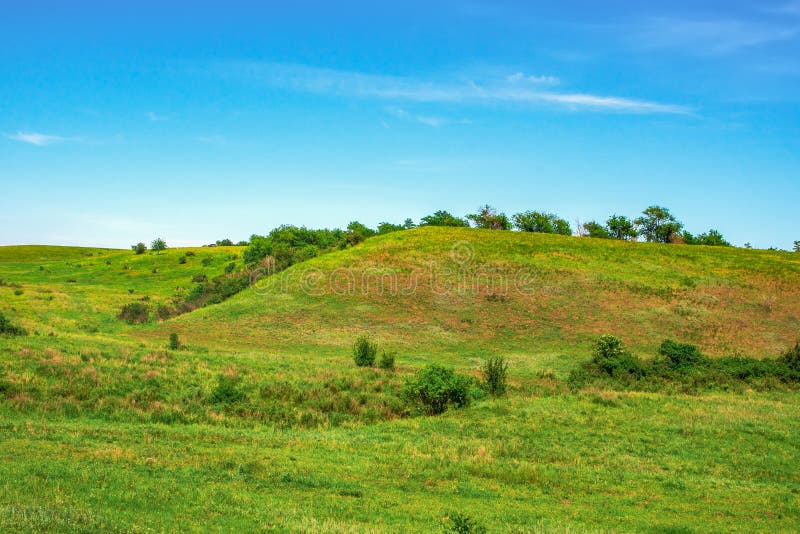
(261, 421)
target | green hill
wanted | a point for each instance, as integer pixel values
(464, 291)
(260, 421)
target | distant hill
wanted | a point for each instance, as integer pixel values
(466, 291)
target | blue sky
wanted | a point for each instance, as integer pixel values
(195, 121)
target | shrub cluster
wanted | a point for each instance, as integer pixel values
(495, 371)
(435, 388)
(134, 313)
(364, 352)
(9, 329)
(682, 366)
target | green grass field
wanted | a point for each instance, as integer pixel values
(261, 421)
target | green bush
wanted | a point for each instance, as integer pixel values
(182, 260)
(681, 356)
(495, 371)
(174, 341)
(611, 359)
(463, 524)
(791, 358)
(227, 391)
(8, 329)
(230, 267)
(134, 313)
(364, 352)
(387, 361)
(435, 388)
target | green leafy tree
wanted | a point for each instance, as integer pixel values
(488, 219)
(387, 228)
(596, 230)
(797, 246)
(408, 224)
(712, 238)
(357, 232)
(139, 248)
(658, 225)
(158, 245)
(546, 223)
(620, 227)
(443, 218)
(224, 243)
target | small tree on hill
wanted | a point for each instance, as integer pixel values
(139, 248)
(546, 223)
(158, 245)
(658, 225)
(797, 246)
(443, 218)
(595, 230)
(488, 219)
(620, 227)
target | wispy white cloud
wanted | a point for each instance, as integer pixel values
(38, 139)
(395, 88)
(519, 77)
(712, 36)
(428, 120)
(155, 117)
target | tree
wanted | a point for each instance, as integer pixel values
(224, 243)
(158, 245)
(408, 224)
(712, 238)
(797, 246)
(443, 218)
(658, 225)
(387, 228)
(546, 223)
(488, 219)
(596, 230)
(620, 227)
(139, 248)
(357, 232)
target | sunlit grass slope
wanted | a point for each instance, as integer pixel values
(466, 291)
(73, 290)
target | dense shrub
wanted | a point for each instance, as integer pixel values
(681, 356)
(182, 260)
(435, 388)
(227, 390)
(387, 361)
(546, 223)
(174, 341)
(443, 218)
(199, 278)
(134, 313)
(460, 523)
(791, 358)
(495, 371)
(611, 358)
(364, 352)
(139, 248)
(9, 329)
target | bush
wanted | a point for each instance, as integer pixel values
(230, 267)
(134, 313)
(182, 260)
(463, 524)
(207, 261)
(199, 278)
(8, 329)
(174, 341)
(611, 359)
(18, 292)
(227, 390)
(791, 358)
(495, 371)
(681, 356)
(364, 352)
(139, 248)
(387, 361)
(436, 388)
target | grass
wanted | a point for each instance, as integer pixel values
(261, 420)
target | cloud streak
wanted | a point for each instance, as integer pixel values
(507, 90)
(37, 139)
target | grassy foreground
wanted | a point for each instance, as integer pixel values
(262, 422)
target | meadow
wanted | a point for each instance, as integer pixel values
(261, 421)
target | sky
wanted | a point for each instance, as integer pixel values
(207, 120)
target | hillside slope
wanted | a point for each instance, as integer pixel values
(464, 291)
